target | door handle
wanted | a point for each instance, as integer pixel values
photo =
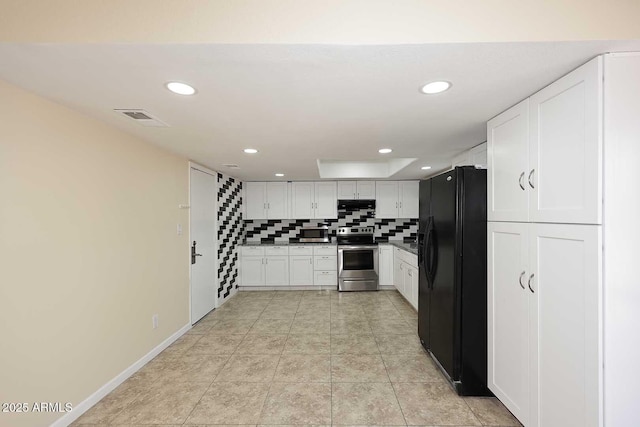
(400, 205)
(266, 260)
(530, 176)
(268, 205)
(520, 181)
(396, 205)
(520, 279)
(529, 284)
(357, 195)
(193, 253)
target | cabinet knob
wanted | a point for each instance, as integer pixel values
(521, 181)
(529, 283)
(521, 276)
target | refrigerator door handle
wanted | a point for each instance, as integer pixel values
(428, 253)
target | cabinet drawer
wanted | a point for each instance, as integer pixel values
(252, 251)
(325, 278)
(325, 263)
(301, 250)
(276, 250)
(325, 250)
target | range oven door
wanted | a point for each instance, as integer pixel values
(357, 268)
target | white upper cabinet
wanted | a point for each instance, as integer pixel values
(397, 199)
(409, 195)
(353, 190)
(255, 203)
(508, 164)
(366, 190)
(387, 199)
(347, 190)
(265, 200)
(277, 200)
(311, 200)
(565, 149)
(476, 156)
(545, 153)
(302, 200)
(326, 200)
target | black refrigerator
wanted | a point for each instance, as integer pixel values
(452, 259)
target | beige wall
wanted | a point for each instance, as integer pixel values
(88, 252)
(314, 21)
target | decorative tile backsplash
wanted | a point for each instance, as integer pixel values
(230, 230)
(287, 230)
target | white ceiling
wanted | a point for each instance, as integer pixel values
(299, 103)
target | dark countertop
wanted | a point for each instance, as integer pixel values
(285, 244)
(409, 247)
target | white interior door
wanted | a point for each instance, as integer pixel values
(204, 280)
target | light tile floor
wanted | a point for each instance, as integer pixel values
(297, 358)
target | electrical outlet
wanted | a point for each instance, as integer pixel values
(179, 229)
(154, 320)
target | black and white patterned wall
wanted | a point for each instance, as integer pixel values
(287, 230)
(230, 230)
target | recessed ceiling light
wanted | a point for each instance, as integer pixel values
(425, 168)
(385, 150)
(435, 87)
(181, 88)
(279, 174)
(250, 150)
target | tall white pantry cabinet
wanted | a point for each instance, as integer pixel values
(563, 304)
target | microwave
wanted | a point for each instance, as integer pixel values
(319, 234)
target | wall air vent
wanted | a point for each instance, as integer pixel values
(142, 117)
(231, 166)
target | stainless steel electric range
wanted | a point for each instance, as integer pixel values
(357, 259)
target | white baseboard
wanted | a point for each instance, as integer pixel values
(86, 404)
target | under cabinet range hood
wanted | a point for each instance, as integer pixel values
(356, 204)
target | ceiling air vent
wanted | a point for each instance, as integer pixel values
(231, 166)
(142, 117)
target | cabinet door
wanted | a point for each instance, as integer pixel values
(366, 190)
(565, 155)
(277, 200)
(300, 270)
(508, 165)
(508, 316)
(325, 278)
(347, 190)
(398, 278)
(414, 287)
(406, 282)
(302, 200)
(255, 203)
(478, 155)
(385, 265)
(386, 199)
(409, 199)
(326, 203)
(565, 289)
(276, 271)
(252, 271)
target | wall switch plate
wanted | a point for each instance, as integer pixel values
(179, 229)
(154, 320)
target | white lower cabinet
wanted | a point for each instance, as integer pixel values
(543, 318)
(295, 265)
(264, 265)
(325, 278)
(385, 265)
(276, 270)
(252, 270)
(300, 270)
(405, 275)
